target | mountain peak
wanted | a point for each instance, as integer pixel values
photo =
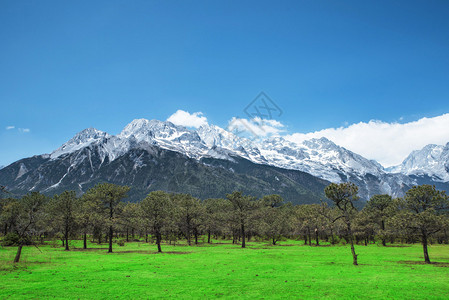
(87, 135)
(213, 135)
(432, 160)
(320, 143)
(80, 140)
(319, 157)
(143, 128)
(91, 132)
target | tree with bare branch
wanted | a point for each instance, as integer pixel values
(344, 195)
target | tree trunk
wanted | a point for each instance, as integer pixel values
(332, 237)
(424, 247)
(243, 234)
(188, 230)
(351, 240)
(85, 241)
(127, 234)
(66, 237)
(188, 238)
(196, 237)
(383, 233)
(6, 229)
(274, 241)
(111, 232)
(19, 252)
(110, 239)
(208, 236)
(354, 256)
(317, 237)
(158, 242)
(305, 239)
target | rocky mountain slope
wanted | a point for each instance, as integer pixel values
(431, 161)
(209, 163)
(147, 167)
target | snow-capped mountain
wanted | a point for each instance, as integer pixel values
(431, 161)
(154, 155)
(208, 140)
(96, 151)
(80, 140)
(319, 157)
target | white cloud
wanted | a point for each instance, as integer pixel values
(256, 127)
(388, 143)
(11, 127)
(187, 119)
(271, 123)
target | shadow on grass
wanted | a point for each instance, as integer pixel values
(169, 252)
(88, 249)
(271, 246)
(413, 262)
(129, 251)
(150, 252)
(9, 266)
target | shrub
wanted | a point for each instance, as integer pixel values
(10, 239)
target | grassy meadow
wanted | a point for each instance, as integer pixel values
(261, 271)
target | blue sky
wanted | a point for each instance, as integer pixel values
(66, 66)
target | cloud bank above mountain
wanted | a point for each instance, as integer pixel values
(184, 118)
(387, 143)
(257, 127)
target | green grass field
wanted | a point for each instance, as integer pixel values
(261, 271)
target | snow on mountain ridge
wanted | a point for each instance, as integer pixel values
(319, 157)
(82, 139)
(432, 160)
(166, 135)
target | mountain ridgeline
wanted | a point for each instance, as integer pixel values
(208, 163)
(147, 168)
